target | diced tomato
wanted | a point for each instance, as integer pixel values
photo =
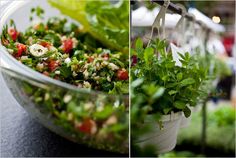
(46, 73)
(52, 65)
(67, 45)
(122, 74)
(88, 126)
(20, 49)
(45, 44)
(90, 59)
(13, 33)
(105, 56)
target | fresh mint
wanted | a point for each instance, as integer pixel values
(165, 87)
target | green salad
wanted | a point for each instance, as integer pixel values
(63, 51)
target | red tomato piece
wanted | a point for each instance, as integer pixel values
(45, 44)
(20, 49)
(67, 45)
(90, 59)
(13, 33)
(88, 126)
(52, 65)
(122, 74)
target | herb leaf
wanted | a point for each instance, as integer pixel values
(187, 81)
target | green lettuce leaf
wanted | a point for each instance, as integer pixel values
(106, 22)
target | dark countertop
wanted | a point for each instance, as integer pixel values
(22, 136)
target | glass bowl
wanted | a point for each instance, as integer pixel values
(89, 117)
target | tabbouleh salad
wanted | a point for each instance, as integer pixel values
(59, 49)
(65, 51)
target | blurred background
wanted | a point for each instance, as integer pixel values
(211, 132)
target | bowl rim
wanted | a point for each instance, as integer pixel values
(32, 74)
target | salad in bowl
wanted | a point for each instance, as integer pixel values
(72, 76)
